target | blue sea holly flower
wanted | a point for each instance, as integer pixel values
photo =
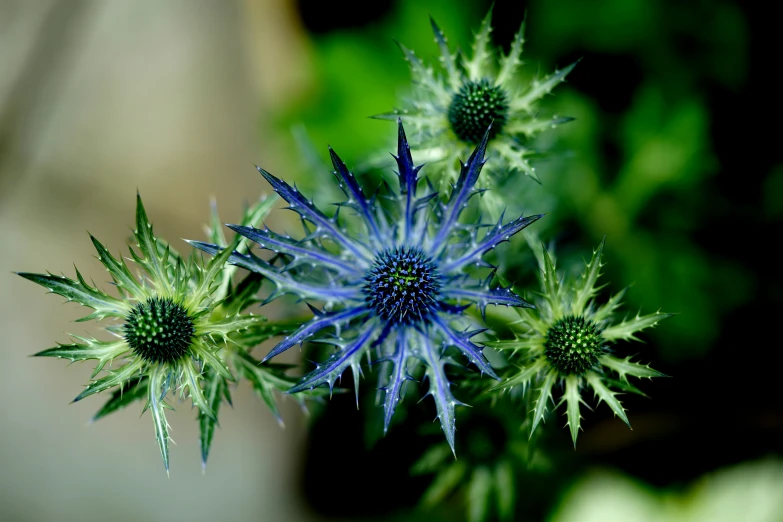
(395, 288)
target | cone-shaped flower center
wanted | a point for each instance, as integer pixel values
(573, 345)
(159, 330)
(474, 107)
(402, 286)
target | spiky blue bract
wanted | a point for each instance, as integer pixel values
(569, 340)
(178, 328)
(394, 289)
(449, 108)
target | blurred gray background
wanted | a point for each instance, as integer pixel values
(99, 99)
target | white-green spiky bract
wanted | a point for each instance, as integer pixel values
(450, 107)
(569, 341)
(177, 328)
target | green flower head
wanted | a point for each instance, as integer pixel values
(450, 110)
(174, 329)
(569, 342)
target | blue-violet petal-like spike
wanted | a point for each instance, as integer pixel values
(319, 323)
(307, 210)
(285, 283)
(483, 297)
(494, 237)
(468, 176)
(463, 344)
(407, 174)
(397, 378)
(407, 171)
(494, 296)
(440, 388)
(330, 370)
(275, 242)
(351, 188)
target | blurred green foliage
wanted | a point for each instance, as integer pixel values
(749, 492)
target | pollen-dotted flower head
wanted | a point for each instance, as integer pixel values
(393, 287)
(451, 106)
(568, 344)
(170, 325)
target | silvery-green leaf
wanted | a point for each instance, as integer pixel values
(135, 390)
(157, 405)
(214, 390)
(572, 399)
(543, 397)
(625, 367)
(80, 292)
(479, 66)
(585, 290)
(607, 395)
(118, 270)
(511, 62)
(626, 329)
(538, 89)
(150, 257)
(115, 378)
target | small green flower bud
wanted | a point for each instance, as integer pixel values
(159, 330)
(573, 345)
(474, 107)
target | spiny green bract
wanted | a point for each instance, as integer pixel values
(568, 340)
(449, 110)
(178, 329)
